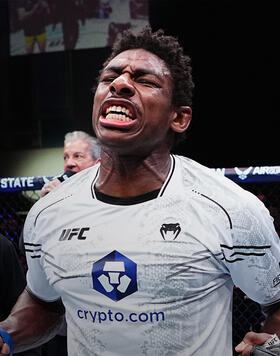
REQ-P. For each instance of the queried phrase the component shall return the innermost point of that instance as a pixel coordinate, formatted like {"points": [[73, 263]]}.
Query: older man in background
{"points": [[80, 152]]}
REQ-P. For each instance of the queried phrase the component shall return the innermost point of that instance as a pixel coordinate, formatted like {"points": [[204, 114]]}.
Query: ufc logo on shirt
{"points": [[68, 234]]}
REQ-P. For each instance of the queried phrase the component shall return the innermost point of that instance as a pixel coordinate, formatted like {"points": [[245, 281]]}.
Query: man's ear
{"points": [[181, 119]]}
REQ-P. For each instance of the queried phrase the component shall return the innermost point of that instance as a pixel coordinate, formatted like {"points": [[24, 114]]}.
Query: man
{"points": [[67, 12], [12, 276], [32, 14], [144, 248], [80, 151]]}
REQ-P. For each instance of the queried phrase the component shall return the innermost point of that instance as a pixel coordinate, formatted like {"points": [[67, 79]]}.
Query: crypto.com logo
{"points": [[115, 276]]}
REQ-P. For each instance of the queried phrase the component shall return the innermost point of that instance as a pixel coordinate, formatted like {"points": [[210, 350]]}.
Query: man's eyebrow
{"points": [[143, 71]]}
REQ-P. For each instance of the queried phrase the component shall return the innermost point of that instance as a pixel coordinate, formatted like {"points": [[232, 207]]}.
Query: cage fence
{"points": [[17, 195]]}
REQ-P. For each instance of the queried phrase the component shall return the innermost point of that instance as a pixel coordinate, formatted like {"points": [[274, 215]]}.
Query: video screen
{"points": [[38, 26]]}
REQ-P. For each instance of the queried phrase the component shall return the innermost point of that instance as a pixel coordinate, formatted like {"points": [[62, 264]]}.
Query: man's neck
{"points": [[127, 176]]}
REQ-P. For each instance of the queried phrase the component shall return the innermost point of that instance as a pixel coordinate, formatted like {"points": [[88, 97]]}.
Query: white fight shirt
{"points": [[153, 277]]}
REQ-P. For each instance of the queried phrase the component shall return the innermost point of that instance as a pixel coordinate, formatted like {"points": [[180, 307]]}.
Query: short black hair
{"points": [[168, 49]]}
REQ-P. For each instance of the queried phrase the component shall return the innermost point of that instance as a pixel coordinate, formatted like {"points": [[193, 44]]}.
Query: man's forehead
{"points": [[139, 58], [77, 145]]}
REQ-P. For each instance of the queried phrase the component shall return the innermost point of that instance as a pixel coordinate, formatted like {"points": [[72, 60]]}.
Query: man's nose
{"points": [[122, 85], [70, 163]]}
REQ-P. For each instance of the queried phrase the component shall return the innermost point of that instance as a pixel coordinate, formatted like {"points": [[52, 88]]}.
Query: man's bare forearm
{"points": [[32, 322]]}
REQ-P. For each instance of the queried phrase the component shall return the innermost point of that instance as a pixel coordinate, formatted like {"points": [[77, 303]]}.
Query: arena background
{"points": [[234, 51], [233, 45]]}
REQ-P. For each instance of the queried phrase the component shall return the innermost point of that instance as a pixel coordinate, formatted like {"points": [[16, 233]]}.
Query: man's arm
{"points": [[11, 274], [271, 326], [31, 322]]}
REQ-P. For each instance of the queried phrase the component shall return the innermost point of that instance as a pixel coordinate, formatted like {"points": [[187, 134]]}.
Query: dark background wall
{"points": [[233, 47]]}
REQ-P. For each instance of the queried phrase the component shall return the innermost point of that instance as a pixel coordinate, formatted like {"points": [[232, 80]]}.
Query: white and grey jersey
{"points": [[152, 275]]}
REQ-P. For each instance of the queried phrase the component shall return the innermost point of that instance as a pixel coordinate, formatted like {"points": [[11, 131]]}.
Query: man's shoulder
{"points": [[68, 188], [214, 185]]}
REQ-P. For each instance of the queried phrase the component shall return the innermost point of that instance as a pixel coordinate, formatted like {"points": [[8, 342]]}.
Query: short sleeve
{"points": [[253, 255], [37, 282]]}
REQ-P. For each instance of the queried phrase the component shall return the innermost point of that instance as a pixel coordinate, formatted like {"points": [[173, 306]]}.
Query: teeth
{"points": [[118, 117], [119, 109]]}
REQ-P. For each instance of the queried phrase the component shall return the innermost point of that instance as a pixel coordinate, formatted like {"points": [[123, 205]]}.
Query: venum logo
{"points": [[115, 276], [68, 234], [170, 231]]}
